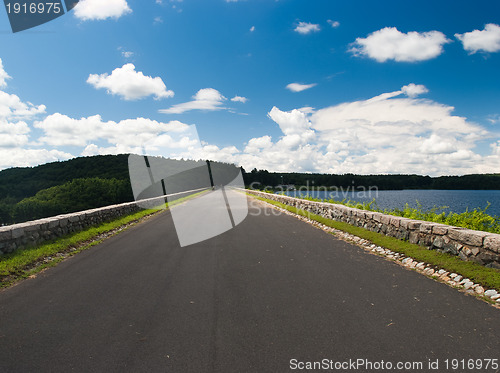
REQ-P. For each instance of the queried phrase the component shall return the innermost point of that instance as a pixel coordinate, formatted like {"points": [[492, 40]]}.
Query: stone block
{"points": [[368, 215], [413, 237], [488, 257], [18, 232], [74, 218], [5, 234], [450, 247], [385, 219], [438, 243], [426, 228], [414, 224], [395, 222], [53, 223], [491, 243], [33, 226], [405, 222], [440, 229], [467, 236]]}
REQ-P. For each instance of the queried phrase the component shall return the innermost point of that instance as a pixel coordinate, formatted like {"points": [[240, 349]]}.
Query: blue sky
{"points": [[309, 86]]}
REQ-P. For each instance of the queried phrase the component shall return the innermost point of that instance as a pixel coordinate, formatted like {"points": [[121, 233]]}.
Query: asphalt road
{"points": [[270, 290]]}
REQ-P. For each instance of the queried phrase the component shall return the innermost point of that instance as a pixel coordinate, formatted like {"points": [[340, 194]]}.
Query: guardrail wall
{"points": [[33, 233]]}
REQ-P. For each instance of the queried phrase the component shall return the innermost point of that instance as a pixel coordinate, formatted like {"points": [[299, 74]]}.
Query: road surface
{"points": [[266, 296]]}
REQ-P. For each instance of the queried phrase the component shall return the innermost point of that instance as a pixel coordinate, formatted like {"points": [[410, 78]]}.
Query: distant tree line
{"points": [[382, 182]]}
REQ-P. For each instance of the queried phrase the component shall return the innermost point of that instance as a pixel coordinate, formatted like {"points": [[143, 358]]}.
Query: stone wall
{"points": [[32, 233], [477, 246]]}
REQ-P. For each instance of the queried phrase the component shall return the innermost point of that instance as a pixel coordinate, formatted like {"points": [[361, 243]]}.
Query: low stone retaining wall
{"points": [[477, 246], [32, 233]]}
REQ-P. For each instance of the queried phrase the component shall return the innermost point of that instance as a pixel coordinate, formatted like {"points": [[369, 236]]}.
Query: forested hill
{"points": [[30, 193], [19, 183]]}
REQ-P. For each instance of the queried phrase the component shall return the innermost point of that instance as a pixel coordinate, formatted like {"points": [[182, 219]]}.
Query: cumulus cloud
{"points": [[388, 133], [413, 90], [305, 28], [130, 84], [239, 99], [20, 157], [392, 134], [208, 99], [88, 10], [3, 76], [334, 24], [13, 134], [487, 40], [12, 108], [391, 44], [62, 130], [298, 87]]}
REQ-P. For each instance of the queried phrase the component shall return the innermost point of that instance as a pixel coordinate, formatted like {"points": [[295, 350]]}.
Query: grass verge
{"points": [[488, 277], [25, 263]]}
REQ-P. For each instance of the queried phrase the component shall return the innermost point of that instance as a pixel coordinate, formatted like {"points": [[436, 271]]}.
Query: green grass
{"points": [[488, 277], [24, 263], [477, 219]]}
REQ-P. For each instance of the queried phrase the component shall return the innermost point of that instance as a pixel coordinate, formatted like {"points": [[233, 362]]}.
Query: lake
{"points": [[456, 200]]}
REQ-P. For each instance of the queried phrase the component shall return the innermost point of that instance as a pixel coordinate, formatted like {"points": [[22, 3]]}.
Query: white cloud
{"points": [[334, 24], [239, 99], [13, 134], [306, 28], [12, 108], [61, 130], [252, 29], [413, 90], [157, 20], [20, 157], [494, 118], [391, 44], [298, 87], [406, 135], [127, 54], [208, 99], [487, 40], [383, 134], [130, 84], [307, 109], [99, 10], [3, 76]]}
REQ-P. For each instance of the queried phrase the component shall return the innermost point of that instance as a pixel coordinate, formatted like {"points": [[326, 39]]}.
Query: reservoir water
{"points": [[456, 200]]}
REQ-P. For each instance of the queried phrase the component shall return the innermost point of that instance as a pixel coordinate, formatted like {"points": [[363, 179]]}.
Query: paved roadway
{"points": [[271, 290]]}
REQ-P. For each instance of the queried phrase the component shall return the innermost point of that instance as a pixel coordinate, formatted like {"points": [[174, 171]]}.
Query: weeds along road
{"points": [[271, 291]]}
